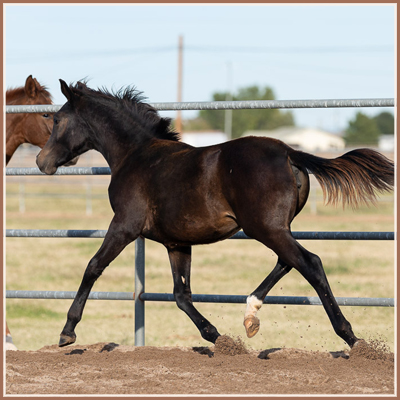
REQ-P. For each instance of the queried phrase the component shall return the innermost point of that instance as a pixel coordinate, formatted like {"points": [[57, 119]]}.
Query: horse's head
{"points": [[70, 136], [34, 128]]}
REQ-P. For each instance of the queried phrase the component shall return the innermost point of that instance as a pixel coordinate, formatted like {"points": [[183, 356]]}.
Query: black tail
{"points": [[353, 177]]}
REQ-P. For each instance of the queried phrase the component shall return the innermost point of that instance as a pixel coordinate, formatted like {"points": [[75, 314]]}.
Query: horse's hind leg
{"points": [[291, 253], [180, 258], [256, 298]]}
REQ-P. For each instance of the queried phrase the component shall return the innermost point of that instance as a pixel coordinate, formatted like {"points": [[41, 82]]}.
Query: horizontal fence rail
{"points": [[60, 171], [59, 195], [232, 105], [200, 298], [98, 234]]}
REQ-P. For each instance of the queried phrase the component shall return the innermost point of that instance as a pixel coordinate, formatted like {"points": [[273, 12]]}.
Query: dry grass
{"points": [[354, 269]]}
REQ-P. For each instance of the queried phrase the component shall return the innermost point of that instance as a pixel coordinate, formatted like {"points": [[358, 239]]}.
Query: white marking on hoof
{"points": [[253, 305], [251, 322]]}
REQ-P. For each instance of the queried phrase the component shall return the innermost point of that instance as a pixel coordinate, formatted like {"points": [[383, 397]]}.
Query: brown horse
{"points": [[34, 128], [26, 128], [180, 196]]}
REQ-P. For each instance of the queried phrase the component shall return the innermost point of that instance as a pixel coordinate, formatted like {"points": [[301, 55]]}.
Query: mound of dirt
{"points": [[226, 368], [372, 350], [229, 346]]}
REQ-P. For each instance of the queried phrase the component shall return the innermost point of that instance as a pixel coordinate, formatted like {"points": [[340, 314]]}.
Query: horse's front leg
{"points": [[180, 258], [255, 300], [114, 242]]}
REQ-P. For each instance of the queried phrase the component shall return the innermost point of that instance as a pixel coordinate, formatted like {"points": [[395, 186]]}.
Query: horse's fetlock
{"points": [[74, 316], [344, 329], [209, 333]]}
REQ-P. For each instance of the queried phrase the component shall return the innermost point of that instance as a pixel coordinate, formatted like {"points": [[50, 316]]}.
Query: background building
{"points": [[308, 139], [206, 138]]}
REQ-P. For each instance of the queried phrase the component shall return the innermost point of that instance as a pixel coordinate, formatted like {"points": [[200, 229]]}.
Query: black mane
{"points": [[129, 99]]}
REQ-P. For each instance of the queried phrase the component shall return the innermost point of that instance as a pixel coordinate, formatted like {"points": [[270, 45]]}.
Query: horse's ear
{"points": [[31, 87], [67, 92]]}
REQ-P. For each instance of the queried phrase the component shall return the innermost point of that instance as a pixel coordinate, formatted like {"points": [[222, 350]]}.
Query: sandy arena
{"points": [[226, 368]]}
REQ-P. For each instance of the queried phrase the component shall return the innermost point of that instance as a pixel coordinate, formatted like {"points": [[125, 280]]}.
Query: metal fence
{"points": [[140, 296], [234, 105]]}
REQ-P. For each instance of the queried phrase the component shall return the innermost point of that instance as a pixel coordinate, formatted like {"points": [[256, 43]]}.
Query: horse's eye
{"points": [[55, 121], [45, 115]]}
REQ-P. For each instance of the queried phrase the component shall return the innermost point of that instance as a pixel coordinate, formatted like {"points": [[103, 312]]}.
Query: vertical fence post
{"points": [[139, 288]]}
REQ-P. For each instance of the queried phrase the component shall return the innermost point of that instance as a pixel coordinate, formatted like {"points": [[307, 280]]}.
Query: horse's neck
{"points": [[112, 141], [14, 134], [112, 148], [14, 126]]}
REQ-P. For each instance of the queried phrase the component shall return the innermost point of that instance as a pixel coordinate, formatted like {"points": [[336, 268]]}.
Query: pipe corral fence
{"points": [[140, 296]]}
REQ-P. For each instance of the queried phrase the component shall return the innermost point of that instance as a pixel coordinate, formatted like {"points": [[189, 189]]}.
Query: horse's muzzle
{"points": [[44, 164]]}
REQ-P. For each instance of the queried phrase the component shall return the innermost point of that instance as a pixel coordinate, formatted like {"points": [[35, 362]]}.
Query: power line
{"points": [[207, 49], [290, 50]]}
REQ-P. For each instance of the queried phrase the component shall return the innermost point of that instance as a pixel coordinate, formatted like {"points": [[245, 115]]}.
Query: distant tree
{"points": [[196, 124], [362, 130], [244, 120], [385, 123]]}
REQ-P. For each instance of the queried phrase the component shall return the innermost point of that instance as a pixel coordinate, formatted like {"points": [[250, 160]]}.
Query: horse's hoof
{"points": [[252, 325], [66, 340]]}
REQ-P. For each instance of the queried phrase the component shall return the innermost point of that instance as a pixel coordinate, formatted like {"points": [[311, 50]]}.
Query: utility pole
{"points": [[228, 113], [180, 68]]}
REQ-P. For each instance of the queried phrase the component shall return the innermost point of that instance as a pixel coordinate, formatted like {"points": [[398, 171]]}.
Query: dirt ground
{"points": [[226, 368]]}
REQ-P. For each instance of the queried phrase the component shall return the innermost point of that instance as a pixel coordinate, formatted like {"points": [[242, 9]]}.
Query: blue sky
{"points": [[301, 52]]}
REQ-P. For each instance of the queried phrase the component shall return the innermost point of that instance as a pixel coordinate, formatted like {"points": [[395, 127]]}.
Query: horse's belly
{"points": [[189, 230]]}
